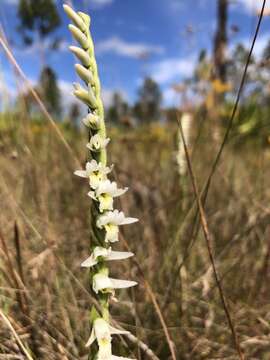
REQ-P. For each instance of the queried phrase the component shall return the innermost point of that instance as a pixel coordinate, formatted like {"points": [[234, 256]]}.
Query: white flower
{"points": [[105, 254], [110, 221], [92, 121], [102, 332], [95, 172], [97, 143], [103, 283], [104, 194]]}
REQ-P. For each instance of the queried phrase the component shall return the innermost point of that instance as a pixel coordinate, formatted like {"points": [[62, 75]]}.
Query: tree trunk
{"points": [[220, 44]]}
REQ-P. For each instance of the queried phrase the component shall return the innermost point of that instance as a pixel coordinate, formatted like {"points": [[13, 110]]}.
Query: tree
{"points": [[235, 68], [118, 109], [74, 113], [38, 16], [150, 98], [220, 42], [49, 90]]}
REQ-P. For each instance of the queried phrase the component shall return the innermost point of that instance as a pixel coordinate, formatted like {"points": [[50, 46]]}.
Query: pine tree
{"points": [[50, 91], [150, 98], [37, 16]]}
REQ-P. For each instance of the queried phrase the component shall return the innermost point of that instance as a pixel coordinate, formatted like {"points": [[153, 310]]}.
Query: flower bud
{"points": [[81, 54], [87, 96], [85, 74], [77, 19], [92, 121], [79, 36]]}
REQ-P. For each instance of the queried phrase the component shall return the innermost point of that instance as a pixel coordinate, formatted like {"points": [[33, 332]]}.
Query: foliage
{"points": [[38, 16], [50, 91], [38, 192], [118, 109], [150, 97]]}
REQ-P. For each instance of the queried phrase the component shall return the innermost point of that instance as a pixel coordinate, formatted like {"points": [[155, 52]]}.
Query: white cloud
{"points": [[101, 2], [36, 48], [259, 47], [176, 5], [171, 69], [120, 47], [254, 6], [11, 2], [170, 97], [107, 96]]}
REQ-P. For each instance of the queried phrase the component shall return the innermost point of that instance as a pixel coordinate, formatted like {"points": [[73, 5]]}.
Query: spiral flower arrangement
{"points": [[105, 220]]}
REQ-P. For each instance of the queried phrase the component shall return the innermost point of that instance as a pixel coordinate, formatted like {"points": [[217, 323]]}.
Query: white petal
{"points": [[81, 173], [115, 331], [97, 143], [122, 284], [89, 262], [92, 121], [112, 232], [101, 282], [105, 203], [106, 142], [119, 255], [101, 251], [128, 220], [102, 330], [91, 166], [120, 192], [91, 339], [104, 187], [92, 195]]}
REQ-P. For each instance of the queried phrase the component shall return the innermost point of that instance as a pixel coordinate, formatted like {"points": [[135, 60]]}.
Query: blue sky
{"points": [[124, 31]]}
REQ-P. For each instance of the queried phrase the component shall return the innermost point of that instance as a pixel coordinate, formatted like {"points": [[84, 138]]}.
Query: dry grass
{"points": [[44, 293]]}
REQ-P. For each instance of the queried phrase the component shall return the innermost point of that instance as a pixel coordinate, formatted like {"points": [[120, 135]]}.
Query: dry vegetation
{"points": [[44, 222]]}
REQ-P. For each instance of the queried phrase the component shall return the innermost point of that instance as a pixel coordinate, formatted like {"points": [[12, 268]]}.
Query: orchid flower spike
{"points": [[105, 284], [110, 222], [104, 194], [105, 221], [105, 254], [95, 172]]}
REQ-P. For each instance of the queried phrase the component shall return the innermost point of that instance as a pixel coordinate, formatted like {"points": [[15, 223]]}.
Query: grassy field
{"points": [[44, 229]]}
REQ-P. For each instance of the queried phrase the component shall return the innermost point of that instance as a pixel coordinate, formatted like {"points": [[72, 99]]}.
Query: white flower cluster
{"points": [[102, 190]]}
